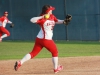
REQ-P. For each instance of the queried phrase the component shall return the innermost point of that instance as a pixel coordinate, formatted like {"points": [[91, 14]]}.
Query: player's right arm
{"points": [[35, 19]]}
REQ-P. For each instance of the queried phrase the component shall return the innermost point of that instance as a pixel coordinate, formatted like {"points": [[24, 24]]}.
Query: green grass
{"points": [[17, 49]]}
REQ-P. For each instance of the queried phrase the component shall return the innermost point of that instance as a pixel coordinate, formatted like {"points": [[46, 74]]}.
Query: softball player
{"points": [[44, 38], [3, 21]]}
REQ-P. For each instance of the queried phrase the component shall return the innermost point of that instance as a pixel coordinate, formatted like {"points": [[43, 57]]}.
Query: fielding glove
{"points": [[11, 25], [67, 19]]}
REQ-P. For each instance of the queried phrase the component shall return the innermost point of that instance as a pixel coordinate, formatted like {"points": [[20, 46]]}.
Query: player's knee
{"points": [[8, 34], [31, 55], [55, 54]]}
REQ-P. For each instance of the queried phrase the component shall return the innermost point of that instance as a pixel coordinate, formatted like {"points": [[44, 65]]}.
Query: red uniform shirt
{"points": [[3, 21], [47, 26]]}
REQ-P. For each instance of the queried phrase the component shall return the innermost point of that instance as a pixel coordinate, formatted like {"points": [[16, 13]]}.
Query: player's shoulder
{"points": [[52, 15], [3, 18]]}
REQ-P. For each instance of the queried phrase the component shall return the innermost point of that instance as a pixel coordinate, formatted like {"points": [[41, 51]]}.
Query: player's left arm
{"points": [[57, 21], [66, 21], [60, 21], [11, 24]]}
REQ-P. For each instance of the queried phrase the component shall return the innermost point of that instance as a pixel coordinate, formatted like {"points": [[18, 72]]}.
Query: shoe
{"points": [[0, 39], [17, 65], [58, 69]]}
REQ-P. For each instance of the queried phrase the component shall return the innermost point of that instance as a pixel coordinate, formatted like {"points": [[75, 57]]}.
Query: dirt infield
{"points": [[44, 66]]}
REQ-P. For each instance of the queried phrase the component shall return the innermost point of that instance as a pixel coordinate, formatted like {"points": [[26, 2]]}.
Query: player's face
{"points": [[6, 15], [50, 12]]}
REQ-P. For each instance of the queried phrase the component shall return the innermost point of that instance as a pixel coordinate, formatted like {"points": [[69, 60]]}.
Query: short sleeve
{"points": [[40, 21], [2, 19], [55, 19]]}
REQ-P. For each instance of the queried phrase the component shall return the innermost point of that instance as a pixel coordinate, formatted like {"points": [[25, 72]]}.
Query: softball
{"points": [[46, 16]]}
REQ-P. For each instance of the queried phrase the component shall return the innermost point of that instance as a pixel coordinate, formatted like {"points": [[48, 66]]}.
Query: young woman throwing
{"points": [[47, 22]]}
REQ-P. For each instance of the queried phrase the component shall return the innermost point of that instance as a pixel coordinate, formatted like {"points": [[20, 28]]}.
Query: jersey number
{"points": [[52, 27]]}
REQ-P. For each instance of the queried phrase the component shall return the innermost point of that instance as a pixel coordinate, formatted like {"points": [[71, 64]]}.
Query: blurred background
{"points": [[85, 24]]}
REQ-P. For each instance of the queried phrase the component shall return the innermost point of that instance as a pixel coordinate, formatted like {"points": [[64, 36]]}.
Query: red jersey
{"points": [[47, 26], [3, 21]]}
